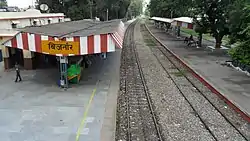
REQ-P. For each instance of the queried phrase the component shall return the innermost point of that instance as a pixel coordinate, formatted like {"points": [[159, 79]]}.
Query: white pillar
{"points": [[27, 54], [5, 52], [27, 59]]}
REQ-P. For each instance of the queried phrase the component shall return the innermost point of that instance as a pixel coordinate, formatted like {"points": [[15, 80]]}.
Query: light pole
{"points": [[116, 8], [107, 18], [90, 9]]}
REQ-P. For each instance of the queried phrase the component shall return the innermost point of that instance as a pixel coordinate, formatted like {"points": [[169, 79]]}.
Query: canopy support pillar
{"points": [[63, 72], [28, 59], [6, 57]]}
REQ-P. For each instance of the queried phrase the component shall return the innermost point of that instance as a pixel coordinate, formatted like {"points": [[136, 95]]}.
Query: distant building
{"points": [[13, 9], [11, 21]]}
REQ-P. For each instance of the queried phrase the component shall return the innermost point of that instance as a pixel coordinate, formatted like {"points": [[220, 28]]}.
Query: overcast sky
{"points": [[20, 3]]}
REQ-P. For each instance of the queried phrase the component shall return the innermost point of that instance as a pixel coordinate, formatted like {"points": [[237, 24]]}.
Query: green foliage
{"points": [[241, 53], [146, 12], [240, 31], [214, 17], [239, 21], [135, 7], [213, 14], [80, 9], [168, 8], [3, 3]]}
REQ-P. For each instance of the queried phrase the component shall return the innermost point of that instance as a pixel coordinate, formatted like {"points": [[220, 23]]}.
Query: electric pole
{"points": [[90, 9], [107, 14]]}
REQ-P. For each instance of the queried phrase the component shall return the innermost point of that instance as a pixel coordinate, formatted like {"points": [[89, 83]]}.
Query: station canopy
{"points": [[160, 19], [70, 38]]}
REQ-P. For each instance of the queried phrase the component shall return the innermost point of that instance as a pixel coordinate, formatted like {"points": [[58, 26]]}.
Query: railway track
{"points": [[177, 73], [136, 119]]}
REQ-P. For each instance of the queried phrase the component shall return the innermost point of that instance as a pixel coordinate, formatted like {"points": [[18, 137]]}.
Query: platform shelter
{"points": [[76, 38]]}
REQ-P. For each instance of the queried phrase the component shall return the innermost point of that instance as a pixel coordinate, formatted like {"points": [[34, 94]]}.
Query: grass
{"points": [[149, 42], [179, 73], [205, 36]]}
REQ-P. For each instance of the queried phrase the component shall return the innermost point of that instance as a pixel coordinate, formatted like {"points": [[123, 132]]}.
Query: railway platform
{"points": [[231, 84], [161, 99], [35, 109]]}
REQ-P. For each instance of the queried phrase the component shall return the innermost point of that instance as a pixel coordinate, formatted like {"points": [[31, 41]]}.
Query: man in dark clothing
{"points": [[18, 73], [191, 40]]}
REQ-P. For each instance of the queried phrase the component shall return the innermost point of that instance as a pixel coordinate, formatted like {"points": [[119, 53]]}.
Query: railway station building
{"points": [[66, 42], [11, 22]]}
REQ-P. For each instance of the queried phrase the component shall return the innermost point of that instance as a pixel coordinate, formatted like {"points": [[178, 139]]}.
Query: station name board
{"points": [[60, 47]]}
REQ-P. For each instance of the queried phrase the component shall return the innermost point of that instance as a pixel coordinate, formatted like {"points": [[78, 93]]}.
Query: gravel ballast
{"points": [[210, 111], [185, 109], [176, 117], [134, 118]]}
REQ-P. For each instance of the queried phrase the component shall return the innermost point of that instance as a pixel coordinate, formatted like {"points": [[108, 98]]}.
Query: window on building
{"points": [[14, 25], [35, 23], [60, 19], [49, 20]]}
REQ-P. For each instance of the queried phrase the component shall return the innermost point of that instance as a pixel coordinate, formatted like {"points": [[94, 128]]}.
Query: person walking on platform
{"points": [[18, 76]]}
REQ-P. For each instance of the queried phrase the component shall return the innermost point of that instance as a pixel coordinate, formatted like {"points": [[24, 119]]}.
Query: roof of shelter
{"points": [[167, 20], [8, 32], [162, 19], [184, 19], [74, 28]]}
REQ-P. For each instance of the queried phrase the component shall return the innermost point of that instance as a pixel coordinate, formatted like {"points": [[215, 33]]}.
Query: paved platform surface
{"points": [[233, 84], [37, 110]]}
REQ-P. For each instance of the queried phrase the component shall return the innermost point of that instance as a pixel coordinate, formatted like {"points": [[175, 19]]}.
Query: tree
{"points": [[240, 32], [55, 6], [169, 8], [146, 12], [215, 16], [201, 28], [135, 8], [3, 3], [80, 9], [239, 21]]}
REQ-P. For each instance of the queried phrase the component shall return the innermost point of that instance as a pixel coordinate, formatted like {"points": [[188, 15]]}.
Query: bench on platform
{"points": [[191, 42], [212, 48]]}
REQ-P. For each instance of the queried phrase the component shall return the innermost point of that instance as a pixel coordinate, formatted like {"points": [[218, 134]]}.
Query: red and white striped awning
{"points": [[85, 45], [119, 35]]}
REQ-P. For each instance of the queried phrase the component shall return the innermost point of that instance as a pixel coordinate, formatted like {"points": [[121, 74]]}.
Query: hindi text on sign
{"points": [[60, 47]]}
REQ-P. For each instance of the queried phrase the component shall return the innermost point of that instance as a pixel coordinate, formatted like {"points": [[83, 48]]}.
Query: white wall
{"points": [[23, 23], [185, 25], [174, 23], [6, 24]]}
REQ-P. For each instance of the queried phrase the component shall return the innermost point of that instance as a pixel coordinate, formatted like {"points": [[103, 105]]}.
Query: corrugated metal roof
{"points": [[75, 28], [181, 19], [167, 20], [184, 19], [8, 32]]}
